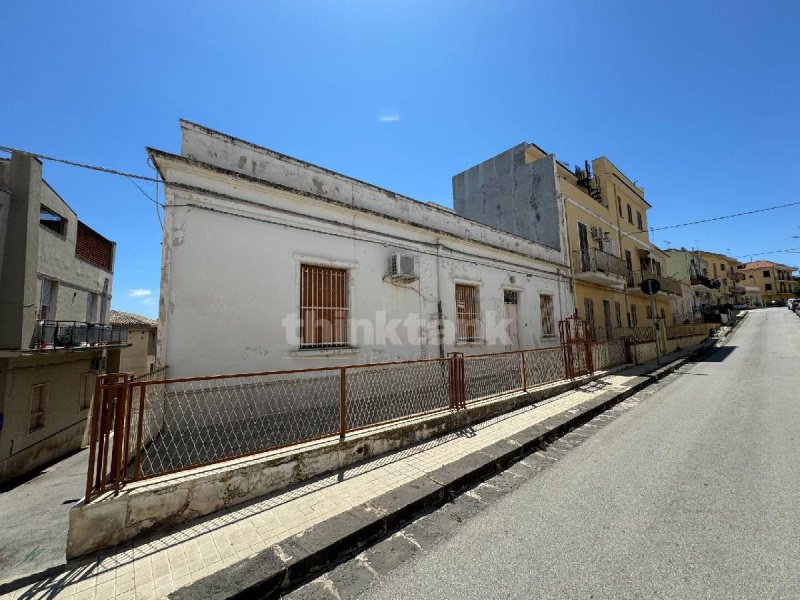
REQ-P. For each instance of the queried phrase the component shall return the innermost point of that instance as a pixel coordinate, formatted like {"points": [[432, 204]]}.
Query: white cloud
{"points": [[140, 293], [388, 115]]}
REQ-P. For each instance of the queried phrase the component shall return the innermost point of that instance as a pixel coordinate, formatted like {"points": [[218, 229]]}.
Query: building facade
{"points": [[140, 356], [55, 289], [272, 263], [774, 280], [606, 224]]}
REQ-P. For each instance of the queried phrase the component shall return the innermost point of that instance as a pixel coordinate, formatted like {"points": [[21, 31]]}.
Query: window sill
{"points": [[316, 352], [467, 344]]}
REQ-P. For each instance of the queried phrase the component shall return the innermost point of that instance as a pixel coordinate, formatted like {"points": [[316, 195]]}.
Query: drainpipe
{"points": [[440, 316]]}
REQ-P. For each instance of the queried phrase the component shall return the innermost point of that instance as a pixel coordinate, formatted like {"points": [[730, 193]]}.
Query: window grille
{"points": [[468, 310], [546, 309], [324, 307]]}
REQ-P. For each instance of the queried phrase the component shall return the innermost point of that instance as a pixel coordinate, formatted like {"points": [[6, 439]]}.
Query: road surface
{"points": [[693, 493]]}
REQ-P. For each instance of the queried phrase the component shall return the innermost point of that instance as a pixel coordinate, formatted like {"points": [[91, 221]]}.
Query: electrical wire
{"points": [[111, 171], [77, 164]]}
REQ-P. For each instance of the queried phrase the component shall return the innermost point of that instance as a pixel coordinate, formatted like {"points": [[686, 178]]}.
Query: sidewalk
{"points": [[286, 536]]}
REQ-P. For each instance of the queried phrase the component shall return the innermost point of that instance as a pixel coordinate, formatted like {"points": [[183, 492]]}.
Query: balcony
{"points": [[76, 335], [595, 266], [736, 290], [703, 281], [668, 284]]}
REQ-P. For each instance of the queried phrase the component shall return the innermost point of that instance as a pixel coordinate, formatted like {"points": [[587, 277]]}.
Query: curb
{"points": [[285, 566]]}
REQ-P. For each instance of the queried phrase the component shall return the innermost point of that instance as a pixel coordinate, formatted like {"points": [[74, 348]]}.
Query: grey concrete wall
{"points": [[76, 278], [5, 205], [509, 194], [18, 284]]}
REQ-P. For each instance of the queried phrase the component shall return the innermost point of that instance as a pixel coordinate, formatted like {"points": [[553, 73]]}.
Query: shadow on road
{"points": [[717, 355]]}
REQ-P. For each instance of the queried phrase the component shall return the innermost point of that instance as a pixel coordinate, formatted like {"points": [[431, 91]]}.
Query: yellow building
{"points": [[774, 280], [611, 253], [725, 270]]}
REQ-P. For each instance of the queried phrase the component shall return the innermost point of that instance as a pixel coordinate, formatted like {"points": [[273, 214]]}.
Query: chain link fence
{"points": [[167, 425]]}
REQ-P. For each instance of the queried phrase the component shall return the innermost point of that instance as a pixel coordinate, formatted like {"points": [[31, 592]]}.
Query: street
{"points": [[691, 494]]}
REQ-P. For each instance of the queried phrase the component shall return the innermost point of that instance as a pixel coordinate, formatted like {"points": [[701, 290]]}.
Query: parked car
{"points": [[776, 303], [792, 304]]}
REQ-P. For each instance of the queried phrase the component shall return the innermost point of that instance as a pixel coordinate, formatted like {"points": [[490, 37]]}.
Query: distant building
{"points": [[605, 218], [55, 289], [140, 356], [774, 280], [272, 263]]}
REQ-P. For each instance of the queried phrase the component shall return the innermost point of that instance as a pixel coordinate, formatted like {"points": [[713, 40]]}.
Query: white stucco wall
{"points": [[232, 254]]}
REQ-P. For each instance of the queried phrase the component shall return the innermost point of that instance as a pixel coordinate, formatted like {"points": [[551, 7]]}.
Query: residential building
{"points": [[270, 262], [774, 280], [606, 222], [724, 269], [55, 288], [140, 356], [702, 271]]}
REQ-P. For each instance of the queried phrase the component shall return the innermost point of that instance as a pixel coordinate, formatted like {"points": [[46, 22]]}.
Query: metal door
{"points": [[577, 347]]}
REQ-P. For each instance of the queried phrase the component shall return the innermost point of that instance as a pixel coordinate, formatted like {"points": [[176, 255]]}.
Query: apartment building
{"points": [[55, 288], [725, 270], [605, 220], [774, 280], [272, 263]]}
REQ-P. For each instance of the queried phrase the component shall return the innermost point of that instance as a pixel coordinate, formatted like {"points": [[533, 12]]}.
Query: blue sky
{"points": [[697, 101]]}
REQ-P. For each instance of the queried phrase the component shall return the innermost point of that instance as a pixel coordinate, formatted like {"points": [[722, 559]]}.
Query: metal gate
{"points": [[577, 346]]}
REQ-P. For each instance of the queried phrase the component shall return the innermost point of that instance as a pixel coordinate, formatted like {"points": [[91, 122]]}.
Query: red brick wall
{"points": [[94, 248]]}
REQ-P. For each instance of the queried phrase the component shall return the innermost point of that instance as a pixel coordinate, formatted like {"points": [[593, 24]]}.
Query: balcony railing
{"points": [[712, 284], [594, 260], [668, 284], [49, 335]]}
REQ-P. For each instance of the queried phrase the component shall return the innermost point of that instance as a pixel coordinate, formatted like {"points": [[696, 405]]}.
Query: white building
{"points": [[272, 263]]}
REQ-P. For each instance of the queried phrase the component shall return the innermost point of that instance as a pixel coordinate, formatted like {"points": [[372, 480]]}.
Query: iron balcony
{"points": [[53, 335], [596, 266]]}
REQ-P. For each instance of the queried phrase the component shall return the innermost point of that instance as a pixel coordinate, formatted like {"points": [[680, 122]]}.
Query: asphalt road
{"points": [[694, 493], [34, 515]]}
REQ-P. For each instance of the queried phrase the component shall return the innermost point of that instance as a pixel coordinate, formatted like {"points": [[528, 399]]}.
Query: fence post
{"points": [[342, 402], [94, 434], [455, 363], [522, 366], [117, 454]]}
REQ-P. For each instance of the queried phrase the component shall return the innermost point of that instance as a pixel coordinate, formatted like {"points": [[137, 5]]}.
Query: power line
{"points": [[82, 165], [111, 171], [741, 214]]}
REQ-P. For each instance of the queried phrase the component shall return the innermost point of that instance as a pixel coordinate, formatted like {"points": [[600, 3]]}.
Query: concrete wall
{"points": [[5, 205], [76, 278], [154, 504], [647, 351], [223, 304], [65, 421], [510, 194]]}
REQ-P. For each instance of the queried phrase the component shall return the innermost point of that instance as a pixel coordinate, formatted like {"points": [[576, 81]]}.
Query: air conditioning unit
{"points": [[403, 267], [98, 363], [597, 233]]}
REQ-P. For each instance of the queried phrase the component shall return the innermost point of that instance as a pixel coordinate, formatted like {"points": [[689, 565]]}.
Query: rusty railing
{"points": [[151, 426]]}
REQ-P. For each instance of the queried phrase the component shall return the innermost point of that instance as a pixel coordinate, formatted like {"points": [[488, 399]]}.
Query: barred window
{"points": [[324, 307], [468, 311], [39, 394], [546, 309]]}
